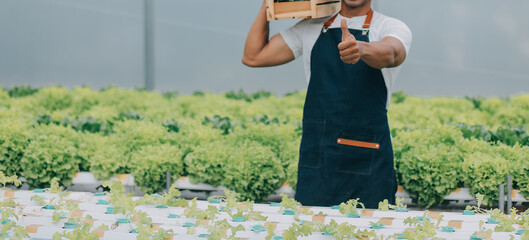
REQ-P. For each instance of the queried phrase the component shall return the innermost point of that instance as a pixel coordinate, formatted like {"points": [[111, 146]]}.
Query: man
{"points": [[351, 60]]}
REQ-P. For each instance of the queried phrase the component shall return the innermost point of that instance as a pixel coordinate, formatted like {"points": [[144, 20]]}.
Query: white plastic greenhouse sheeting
{"points": [[38, 221]]}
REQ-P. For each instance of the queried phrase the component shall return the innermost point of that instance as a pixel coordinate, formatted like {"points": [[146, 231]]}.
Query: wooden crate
{"points": [[301, 9]]}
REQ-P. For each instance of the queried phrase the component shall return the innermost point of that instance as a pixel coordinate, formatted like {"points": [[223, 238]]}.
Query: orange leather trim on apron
{"points": [[369, 17], [330, 21], [358, 143], [367, 23]]}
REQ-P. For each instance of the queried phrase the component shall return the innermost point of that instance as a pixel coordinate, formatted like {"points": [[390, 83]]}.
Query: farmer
{"points": [[351, 61]]}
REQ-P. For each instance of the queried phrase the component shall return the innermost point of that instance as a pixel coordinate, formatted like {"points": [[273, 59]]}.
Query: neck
{"points": [[349, 12]]}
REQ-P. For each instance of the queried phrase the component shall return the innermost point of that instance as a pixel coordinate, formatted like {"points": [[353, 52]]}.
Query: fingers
{"points": [[347, 44], [345, 31], [350, 60], [349, 52], [346, 35], [349, 49]]}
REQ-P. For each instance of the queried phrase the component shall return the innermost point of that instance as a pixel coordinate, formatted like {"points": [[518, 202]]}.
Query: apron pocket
{"points": [[310, 153], [357, 153]]}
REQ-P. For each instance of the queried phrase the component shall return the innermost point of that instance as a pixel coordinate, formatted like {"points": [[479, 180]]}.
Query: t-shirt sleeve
{"points": [[293, 36], [395, 28]]}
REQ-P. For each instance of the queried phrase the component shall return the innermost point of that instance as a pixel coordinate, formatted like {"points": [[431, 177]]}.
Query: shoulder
{"points": [[384, 26], [304, 28], [311, 23], [299, 36], [383, 23]]}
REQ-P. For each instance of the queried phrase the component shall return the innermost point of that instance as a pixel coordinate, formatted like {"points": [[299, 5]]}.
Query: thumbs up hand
{"points": [[349, 48]]}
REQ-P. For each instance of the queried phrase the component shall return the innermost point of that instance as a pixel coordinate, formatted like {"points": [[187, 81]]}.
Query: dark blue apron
{"points": [[345, 148]]}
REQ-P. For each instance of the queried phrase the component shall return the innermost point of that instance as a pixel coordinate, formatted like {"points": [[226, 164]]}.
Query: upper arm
{"points": [[281, 48], [398, 49], [276, 52], [398, 36]]}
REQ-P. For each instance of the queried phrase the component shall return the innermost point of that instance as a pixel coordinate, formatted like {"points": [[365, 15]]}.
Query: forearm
{"points": [[377, 54], [257, 37]]}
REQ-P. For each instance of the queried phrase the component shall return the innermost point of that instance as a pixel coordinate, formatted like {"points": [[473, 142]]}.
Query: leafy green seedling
{"points": [[194, 212], [477, 209], [57, 216], [383, 205], [82, 232], [350, 208], [386, 206], [341, 231], [298, 230], [56, 188], [482, 230], [103, 227], [305, 211], [231, 199], [376, 225], [8, 203], [4, 180], [38, 199], [123, 202], [505, 222], [11, 226], [213, 199], [288, 203], [7, 214], [191, 230], [270, 228], [424, 228], [399, 205]]}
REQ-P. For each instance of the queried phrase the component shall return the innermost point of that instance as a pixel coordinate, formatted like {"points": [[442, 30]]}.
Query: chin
{"points": [[355, 3]]}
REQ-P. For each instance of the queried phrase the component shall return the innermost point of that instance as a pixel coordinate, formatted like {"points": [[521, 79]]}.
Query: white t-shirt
{"points": [[302, 37]]}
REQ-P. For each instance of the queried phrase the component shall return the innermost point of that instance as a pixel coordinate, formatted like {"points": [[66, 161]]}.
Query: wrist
{"points": [[361, 47]]}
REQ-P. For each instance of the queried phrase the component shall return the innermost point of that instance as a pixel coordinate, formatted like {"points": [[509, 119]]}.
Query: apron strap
{"points": [[366, 25], [369, 17], [330, 21]]}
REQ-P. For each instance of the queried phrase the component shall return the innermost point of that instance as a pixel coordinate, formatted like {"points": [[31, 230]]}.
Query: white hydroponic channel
{"points": [[38, 220]]}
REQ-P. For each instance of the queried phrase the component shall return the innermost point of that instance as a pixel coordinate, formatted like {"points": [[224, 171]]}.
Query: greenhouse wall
{"points": [[460, 48]]}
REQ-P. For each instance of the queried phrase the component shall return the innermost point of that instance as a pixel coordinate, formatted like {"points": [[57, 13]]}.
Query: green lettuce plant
{"points": [[50, 154], [253, 171], [150, 164], [483, 172], [51, 99], [83, 98], [109, 159], [207, 162], [21, 91], [13, 141], [429, 163]]}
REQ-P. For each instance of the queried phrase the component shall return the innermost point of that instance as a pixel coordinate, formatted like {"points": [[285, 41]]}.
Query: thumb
{"points": [[345, 31]]}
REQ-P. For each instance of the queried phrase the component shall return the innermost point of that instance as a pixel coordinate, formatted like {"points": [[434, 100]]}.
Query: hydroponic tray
{"points": [[93, 208]]}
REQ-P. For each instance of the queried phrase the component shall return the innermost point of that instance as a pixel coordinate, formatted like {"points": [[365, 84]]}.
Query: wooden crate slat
{"points": [[327, 10], [324, 1], [286, 7], [290, 15], [313, 8], [301, 9], [270, 10]]}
